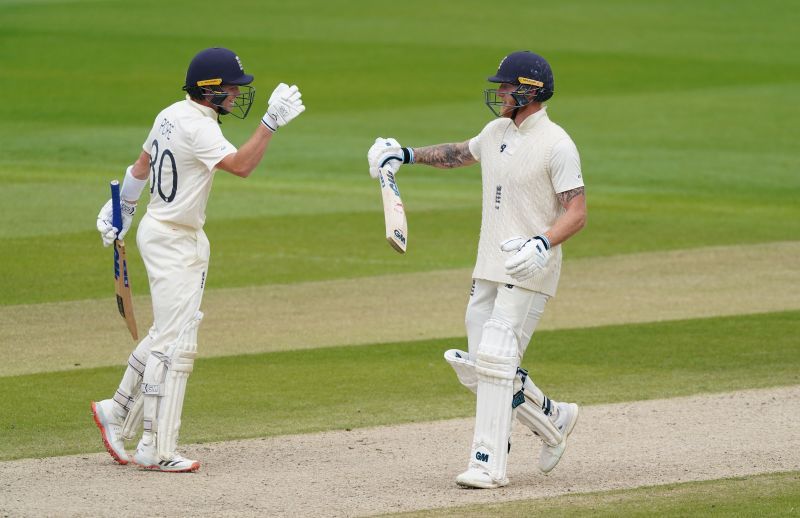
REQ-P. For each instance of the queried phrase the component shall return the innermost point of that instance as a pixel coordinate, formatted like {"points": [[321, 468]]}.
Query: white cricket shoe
{"points": [[480, 479], [550, 455], [147, 457], [110, 429]]}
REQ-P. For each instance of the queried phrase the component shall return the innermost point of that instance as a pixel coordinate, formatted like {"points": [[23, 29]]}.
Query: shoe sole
{"points": [[155, 467], [106, 443], [474, 485]]}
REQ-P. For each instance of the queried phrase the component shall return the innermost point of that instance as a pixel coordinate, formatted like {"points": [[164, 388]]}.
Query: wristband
{"points": [[264, 122], [131, 186], [544, 240], [408, 155]]}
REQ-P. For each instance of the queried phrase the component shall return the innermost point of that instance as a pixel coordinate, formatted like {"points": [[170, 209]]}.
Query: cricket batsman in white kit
{"points": [[180, 156], [533, 200]]}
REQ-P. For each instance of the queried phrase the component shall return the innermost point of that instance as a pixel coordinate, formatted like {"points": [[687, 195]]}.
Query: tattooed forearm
{"points": [[444, 155], [566, 196]]}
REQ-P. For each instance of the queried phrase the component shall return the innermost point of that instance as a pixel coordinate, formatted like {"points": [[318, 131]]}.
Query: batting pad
{"points": [[496, 367], [130, 428], [533, 408], [464, 367], [164, 388]]}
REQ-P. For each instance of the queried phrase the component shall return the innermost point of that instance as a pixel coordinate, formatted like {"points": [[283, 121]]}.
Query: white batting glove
{"points": [[285, 104], [385, 152], [530, 257], [108, 232]]}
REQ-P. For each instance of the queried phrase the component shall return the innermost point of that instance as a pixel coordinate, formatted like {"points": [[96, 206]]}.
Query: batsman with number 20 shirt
{"points": [[533, 200], [183, 150]]}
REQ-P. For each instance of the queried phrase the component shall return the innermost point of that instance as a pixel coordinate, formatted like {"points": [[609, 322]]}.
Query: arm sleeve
{"points": [[475, 144], [148, 143], [565, 166], [211, 146]]}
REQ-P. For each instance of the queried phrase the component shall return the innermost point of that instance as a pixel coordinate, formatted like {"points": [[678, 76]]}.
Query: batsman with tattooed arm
{"points": [[533, 201]]}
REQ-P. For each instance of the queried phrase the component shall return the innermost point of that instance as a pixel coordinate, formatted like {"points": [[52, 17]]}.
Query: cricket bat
{"points": [[121, 282], [393, 212]]}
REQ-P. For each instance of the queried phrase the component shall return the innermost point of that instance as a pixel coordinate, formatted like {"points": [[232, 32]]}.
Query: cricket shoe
{"points": [[479, 479], [550, 455], [110, 429], [147, 457]]}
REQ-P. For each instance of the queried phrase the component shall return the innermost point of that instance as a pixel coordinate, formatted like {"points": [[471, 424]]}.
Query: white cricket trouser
{"points": [[519, 308], [176, 259]]}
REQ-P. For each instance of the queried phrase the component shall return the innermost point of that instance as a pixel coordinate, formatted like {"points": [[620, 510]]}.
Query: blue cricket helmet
{"points": [[212, 68], [526, 68], [216, 66]]}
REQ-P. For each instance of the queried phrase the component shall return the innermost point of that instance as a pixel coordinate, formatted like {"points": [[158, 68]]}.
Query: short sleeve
{"points": [[475, 146], [565, 166], [211, 146], [148, 143]]}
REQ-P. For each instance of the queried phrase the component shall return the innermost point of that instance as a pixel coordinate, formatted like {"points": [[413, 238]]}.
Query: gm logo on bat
{"points": [[399, 235]]}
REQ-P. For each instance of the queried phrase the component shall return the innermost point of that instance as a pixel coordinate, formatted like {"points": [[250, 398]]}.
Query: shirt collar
{"points": [[531, 121], [205, 110]]}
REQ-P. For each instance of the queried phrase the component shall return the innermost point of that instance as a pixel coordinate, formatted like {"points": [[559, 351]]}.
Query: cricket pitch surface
{"points": [[412, 467]]}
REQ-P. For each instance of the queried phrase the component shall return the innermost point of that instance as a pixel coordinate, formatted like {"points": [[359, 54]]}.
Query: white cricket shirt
{"points": [[185, 146], [522, 170]]}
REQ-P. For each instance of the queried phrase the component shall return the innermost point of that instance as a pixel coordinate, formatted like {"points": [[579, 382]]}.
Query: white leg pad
{"points": [[130, 428], [530, 412], [464, 367], [164, 388], [496, 368]]}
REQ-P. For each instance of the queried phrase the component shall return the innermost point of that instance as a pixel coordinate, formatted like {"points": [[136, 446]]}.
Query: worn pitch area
{"points": [[409, 467]]}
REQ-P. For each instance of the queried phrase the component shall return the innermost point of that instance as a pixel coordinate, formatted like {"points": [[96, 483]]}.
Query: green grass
{"points": [[775, 494], [684, 112], [350, 387], [282, 249], [684, 124]]}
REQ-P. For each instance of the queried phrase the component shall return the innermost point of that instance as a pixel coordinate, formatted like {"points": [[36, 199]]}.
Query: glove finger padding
{"points": [[292, 94], [384, 153], [513, 244], [278, 92], [514, 269], [517, 260], [392, 166], [104, 218]]}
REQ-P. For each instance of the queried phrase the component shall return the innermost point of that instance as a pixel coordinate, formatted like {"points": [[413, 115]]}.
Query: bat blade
{"points": [[122, 285], [393, 211], [123, 288]]}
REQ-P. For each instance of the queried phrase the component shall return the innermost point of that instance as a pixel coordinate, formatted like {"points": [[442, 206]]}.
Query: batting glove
{"points": [[530, 257], [285, 104], [384, 152], [108, 232]]}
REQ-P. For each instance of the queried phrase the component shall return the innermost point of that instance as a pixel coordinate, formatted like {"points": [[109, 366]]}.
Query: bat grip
{"points": [[116, 208]]}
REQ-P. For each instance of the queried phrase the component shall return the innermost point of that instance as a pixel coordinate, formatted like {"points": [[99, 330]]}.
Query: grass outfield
{"points": [[684, 112], [675, 155], [775, 494], [350, 387]]}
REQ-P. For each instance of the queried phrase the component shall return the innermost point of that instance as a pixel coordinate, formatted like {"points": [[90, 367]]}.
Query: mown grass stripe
{"points": [[774, 494], [355, 386], [412, 306]]}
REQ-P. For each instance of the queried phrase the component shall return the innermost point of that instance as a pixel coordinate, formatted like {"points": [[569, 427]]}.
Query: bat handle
{"points": [[116, 208]]}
